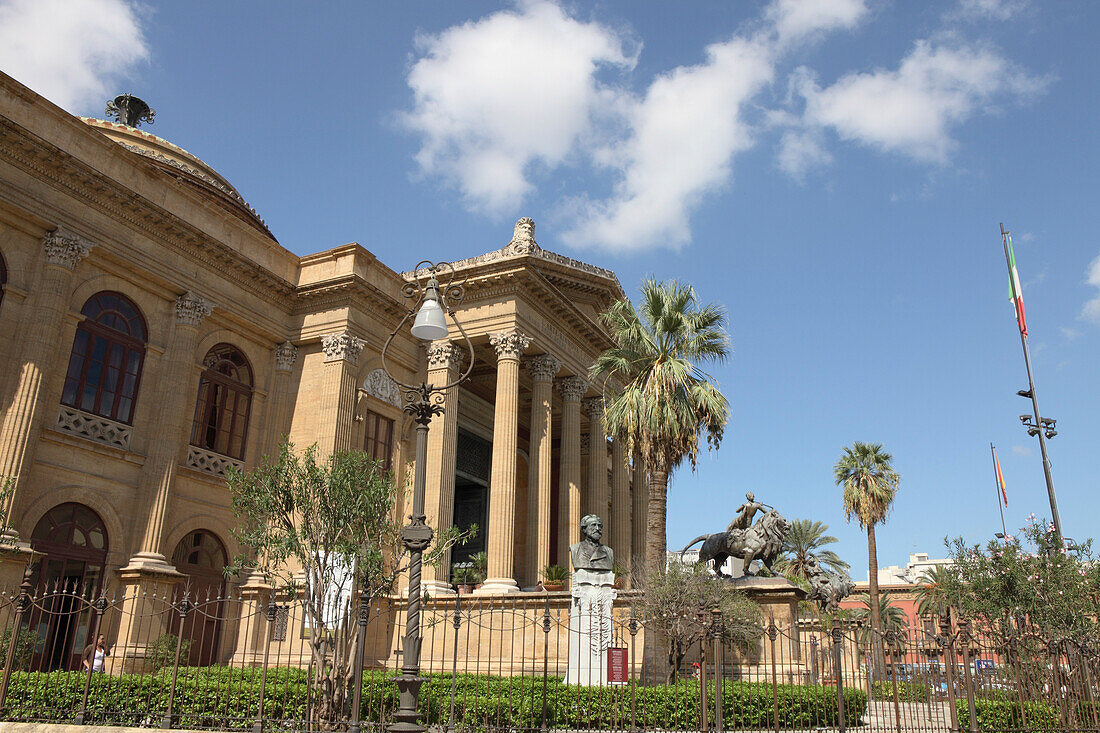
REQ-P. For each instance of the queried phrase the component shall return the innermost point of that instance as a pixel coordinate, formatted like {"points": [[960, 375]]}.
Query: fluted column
{"points": [[38, 358], [339, 383], [445, 363], [502, 481], [620, 518], [569, 472], [640, 490], [174, 401], [597, 460], [542, 369], [280, 401]]}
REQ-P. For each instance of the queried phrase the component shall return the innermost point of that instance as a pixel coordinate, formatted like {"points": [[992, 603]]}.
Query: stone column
{"points": [[587, 505], [445, 363], [339, 385], [597, 459], [569, 474], [620, 518], [509, 346], [280, 401], [542, 369], [641, 509], [38, 359], [174, 400]]}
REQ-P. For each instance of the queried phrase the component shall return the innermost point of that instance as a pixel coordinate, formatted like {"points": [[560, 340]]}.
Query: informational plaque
{"points": [[616, 665]]}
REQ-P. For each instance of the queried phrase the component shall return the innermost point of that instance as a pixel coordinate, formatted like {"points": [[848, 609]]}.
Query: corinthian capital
{"points": [[509, 344], [572, 388], [593, 407], [343, 346], [286, 354], [446, 355], [191, 309], [542, 367], [65, 248]]}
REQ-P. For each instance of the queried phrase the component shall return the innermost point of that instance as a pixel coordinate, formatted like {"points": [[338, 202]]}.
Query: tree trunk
{"points": [[878, 658], [656, 515]]}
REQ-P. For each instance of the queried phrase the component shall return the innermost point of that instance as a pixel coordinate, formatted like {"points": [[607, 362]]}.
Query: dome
{"points": [[183, 166]]}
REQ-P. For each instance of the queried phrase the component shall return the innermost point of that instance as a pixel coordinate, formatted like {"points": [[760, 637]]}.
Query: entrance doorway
{"points": [[202, 558], [73, 541], [473, 461]]}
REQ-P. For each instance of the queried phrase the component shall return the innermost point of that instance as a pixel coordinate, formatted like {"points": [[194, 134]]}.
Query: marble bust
{"points": [[589, 554]]}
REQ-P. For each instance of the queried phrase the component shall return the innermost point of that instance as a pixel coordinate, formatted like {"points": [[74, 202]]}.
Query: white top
{"points": [[97, 660]]}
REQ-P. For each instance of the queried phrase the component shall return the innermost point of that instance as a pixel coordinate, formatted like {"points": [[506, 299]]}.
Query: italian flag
{"points": [[1000, 477], [1016, 293]]}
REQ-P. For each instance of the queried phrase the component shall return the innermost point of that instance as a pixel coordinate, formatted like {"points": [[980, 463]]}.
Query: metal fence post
{"points": [[271, 612], [890, 640], [355, 725], [703, 672], [633, 627], [21, 607], [546, 625], [100, 606], [947, 642], [184, 609], [773, 632], [837, 637], [968, 678], [716, 630]]}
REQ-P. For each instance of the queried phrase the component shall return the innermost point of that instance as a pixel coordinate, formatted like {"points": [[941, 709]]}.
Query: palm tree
{"points": [[803, 545], [893, 619], [932, 593], [870, 484], [667, 401]]}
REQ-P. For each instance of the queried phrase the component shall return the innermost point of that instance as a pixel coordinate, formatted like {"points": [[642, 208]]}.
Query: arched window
{"points": [[202, 558], [224, 402], [73, 542], [108, 351]]}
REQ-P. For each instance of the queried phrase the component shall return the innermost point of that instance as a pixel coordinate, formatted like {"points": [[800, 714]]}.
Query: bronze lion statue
{"points": [[762, 541]]}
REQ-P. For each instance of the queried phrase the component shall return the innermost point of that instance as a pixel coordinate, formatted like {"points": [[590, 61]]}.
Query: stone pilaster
{"points": [[542, 369], [280, 401], [620, 518], [640, 489], [39, 357], [445, 363], [502, 489], [569, 473], [596, 489], [338, 391], [174, 399]]}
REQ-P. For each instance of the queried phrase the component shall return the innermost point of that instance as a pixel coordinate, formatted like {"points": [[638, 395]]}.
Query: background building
{"points": [[156, 333]]}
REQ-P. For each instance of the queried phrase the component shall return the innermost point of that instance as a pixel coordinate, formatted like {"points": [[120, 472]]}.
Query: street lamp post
{"points": [[432, 304]]}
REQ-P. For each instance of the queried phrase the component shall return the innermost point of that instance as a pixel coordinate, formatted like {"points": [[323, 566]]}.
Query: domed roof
{"points": [[183, 166]]}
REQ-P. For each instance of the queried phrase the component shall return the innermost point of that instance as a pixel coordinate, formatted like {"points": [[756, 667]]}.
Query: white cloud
{"points": [[1091, 311], [797, 19], [494, 96], [800, 151], [913, 110], [988, 9], [683, 134], [73, 52], [1021, 450]]}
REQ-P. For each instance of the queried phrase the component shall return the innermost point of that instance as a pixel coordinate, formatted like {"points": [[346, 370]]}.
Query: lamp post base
{"points": [[407, 715]]}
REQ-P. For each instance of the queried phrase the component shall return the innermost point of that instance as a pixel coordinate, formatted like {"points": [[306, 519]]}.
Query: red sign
{"points": [[616, 665]]}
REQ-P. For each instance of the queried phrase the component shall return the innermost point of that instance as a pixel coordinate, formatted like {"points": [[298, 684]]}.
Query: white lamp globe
{"points": [[430, 323]]}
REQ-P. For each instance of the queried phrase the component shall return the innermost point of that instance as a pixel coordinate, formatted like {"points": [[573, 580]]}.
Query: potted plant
{"points": [[554, 577], [463, 574], [480, 563]]}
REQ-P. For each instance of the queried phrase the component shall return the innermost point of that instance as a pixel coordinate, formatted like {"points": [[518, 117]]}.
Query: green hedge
{"points": [[1005, 714], [219, 697]]}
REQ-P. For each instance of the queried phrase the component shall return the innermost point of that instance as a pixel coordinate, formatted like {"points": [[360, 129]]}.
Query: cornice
{"points": [[74, 177], [342, 290]]}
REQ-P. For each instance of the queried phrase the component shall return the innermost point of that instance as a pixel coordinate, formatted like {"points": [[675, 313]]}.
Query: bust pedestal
{"points": [[590, 628]]}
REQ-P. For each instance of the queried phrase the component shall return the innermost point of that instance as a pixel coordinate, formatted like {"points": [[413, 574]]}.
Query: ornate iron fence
{"points": [[253, 661]]}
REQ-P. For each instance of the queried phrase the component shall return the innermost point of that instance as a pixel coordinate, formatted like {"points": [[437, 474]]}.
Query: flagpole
{"points": [[1035, 409], [998, 490]]}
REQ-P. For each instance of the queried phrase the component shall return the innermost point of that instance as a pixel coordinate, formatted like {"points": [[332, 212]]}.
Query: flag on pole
{"points": [[1000, 477], [1016, 293]]}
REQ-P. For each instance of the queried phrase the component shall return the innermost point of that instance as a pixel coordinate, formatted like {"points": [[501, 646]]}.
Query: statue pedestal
{"points": [[590, 628]]}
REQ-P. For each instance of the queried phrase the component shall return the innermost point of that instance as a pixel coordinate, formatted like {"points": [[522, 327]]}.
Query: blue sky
{"points": [[832, 172]]}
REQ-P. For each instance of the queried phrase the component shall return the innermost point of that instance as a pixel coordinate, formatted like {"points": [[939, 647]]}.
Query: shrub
{"points": [[1005, 715], [162, 652], [228, 698], [25, 642], [907, 691]]}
